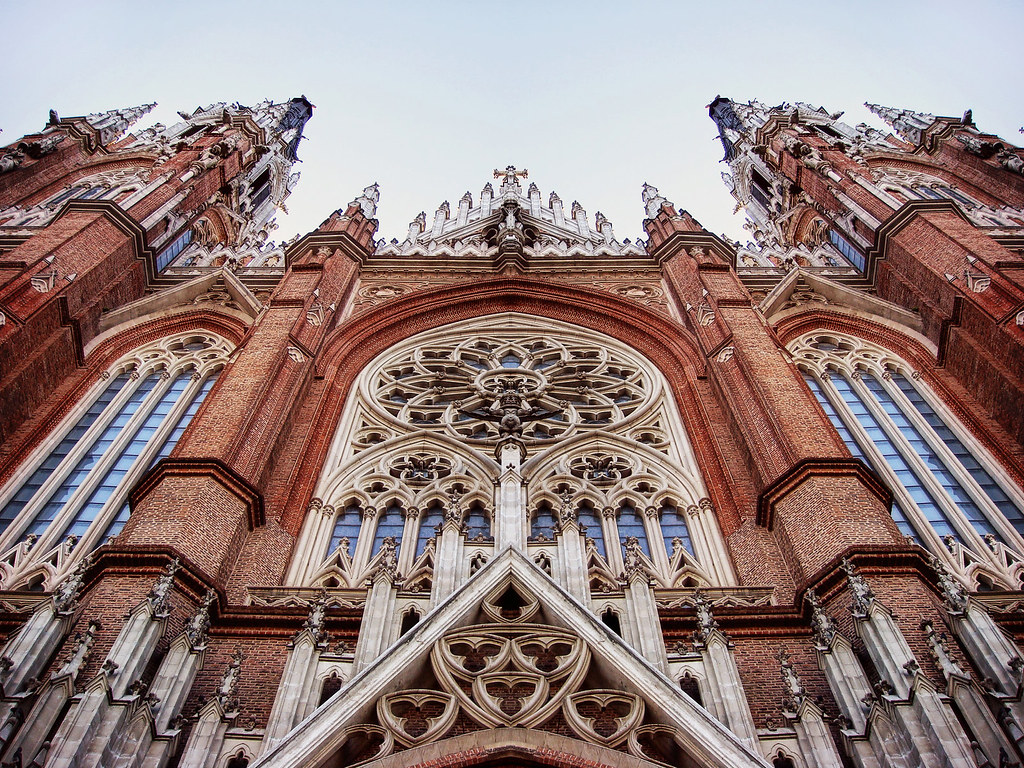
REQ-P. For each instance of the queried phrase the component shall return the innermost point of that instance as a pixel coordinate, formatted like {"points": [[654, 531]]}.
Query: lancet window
{"points": [[950, 496], [72, 494]]}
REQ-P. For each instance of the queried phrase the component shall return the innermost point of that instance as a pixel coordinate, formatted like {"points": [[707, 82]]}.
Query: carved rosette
{"points": [[516, 675], [417, 716], [604, 716]]}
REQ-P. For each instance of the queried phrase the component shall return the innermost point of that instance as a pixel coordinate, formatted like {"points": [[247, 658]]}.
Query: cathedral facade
{"points": [[512, 491]]}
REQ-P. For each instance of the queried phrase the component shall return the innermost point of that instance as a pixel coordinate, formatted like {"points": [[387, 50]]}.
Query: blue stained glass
{"points": [[429, 521], [908, 478], [850, 253], [32, 485], [632, 524], [346, 526], [510, 361], [126, 460], [902, 522], [478, 523], [390, 523], [543, 523], [63, 492], [168, 445], [168, 254], [673, 526], [985, 481], [588, 519], [932, 460]]}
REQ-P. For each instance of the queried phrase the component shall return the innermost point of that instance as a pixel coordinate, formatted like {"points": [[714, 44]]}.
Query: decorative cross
{"points": [[510, 174]]}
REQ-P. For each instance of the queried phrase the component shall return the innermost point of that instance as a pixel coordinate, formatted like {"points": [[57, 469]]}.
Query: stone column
{"points": [[807, 719], [641, 609], [728, 700], [449, 563], [572, 554], [207, 738], [380, 608], [510, 528], [295, 689]]}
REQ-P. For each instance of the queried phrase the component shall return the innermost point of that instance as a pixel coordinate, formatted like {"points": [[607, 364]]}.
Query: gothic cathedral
{"points": [[512, 491]]}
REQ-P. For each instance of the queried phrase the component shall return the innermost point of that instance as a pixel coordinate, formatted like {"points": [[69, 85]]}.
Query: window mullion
{"points": [[112, 505], [920, 469], [612, 544], [919, 520], [28, 513], [105, 462], [952, 464], [57, 436]]}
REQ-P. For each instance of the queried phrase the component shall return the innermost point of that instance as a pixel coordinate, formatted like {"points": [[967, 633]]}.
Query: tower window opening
{"points": [[611, 620], [850, 253]]}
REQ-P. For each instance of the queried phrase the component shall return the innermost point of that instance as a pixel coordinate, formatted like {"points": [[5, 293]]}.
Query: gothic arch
{"points": [[920, 356], [350, 348], [99, 357]]}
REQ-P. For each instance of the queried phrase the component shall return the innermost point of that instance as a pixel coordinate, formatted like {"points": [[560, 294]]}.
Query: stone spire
{"points": [[907, 123], [367, 201], [653, 201], [114, 123]]}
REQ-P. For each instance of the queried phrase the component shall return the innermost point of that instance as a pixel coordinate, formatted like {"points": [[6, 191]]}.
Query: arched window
{"points": [[543, 524], [941, 486], [77, 486], [478, 523], [431, 519], [390, 523], [631, 523], [346, 526], [589, 520], [673, 526]]}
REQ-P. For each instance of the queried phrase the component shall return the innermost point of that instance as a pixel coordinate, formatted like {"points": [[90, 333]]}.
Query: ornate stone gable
{"points": [[510, 651]]}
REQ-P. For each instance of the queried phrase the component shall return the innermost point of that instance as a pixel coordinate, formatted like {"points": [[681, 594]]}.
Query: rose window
{"points": [[528, 384]]}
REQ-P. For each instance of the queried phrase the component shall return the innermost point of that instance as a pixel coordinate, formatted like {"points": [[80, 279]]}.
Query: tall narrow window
{"points": [[432, 517], [631, 523], [542, 526], [939, 481], [478, 524], [390, 523], [589, 520], [168, 254], [78, 487], [673, 527], [850, 253], [346, 527]]}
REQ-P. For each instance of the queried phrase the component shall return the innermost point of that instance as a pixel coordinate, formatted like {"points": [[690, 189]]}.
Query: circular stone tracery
{"points": [[531, 382]]}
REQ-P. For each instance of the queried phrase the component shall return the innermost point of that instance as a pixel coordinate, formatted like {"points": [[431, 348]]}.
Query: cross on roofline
{"points": [[510, 173]]}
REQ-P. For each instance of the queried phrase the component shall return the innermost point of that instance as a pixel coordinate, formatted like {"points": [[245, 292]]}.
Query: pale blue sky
{"points": [[593, 98]]}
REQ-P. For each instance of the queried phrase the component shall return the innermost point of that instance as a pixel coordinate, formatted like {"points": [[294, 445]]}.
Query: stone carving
{"points": [[417, 716], [823, 624], [314, 623], [863, 597], [226, 693], [83, 645], [706, 623], [160, 593], [197, 626], [65, 596], [953, 593], [603, 716], [795, 692], [505, 676], [510, 406]]}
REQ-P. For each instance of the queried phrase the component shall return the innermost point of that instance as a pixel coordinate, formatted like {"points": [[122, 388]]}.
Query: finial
{"points": [[863, 597]]}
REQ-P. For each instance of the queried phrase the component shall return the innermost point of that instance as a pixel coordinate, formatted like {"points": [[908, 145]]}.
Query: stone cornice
{"points": [[211, 468], [824, 467]]}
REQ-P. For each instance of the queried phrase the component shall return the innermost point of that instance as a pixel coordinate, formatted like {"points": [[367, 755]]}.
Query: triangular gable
{"points": [[704, 740], [838, 297]]}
